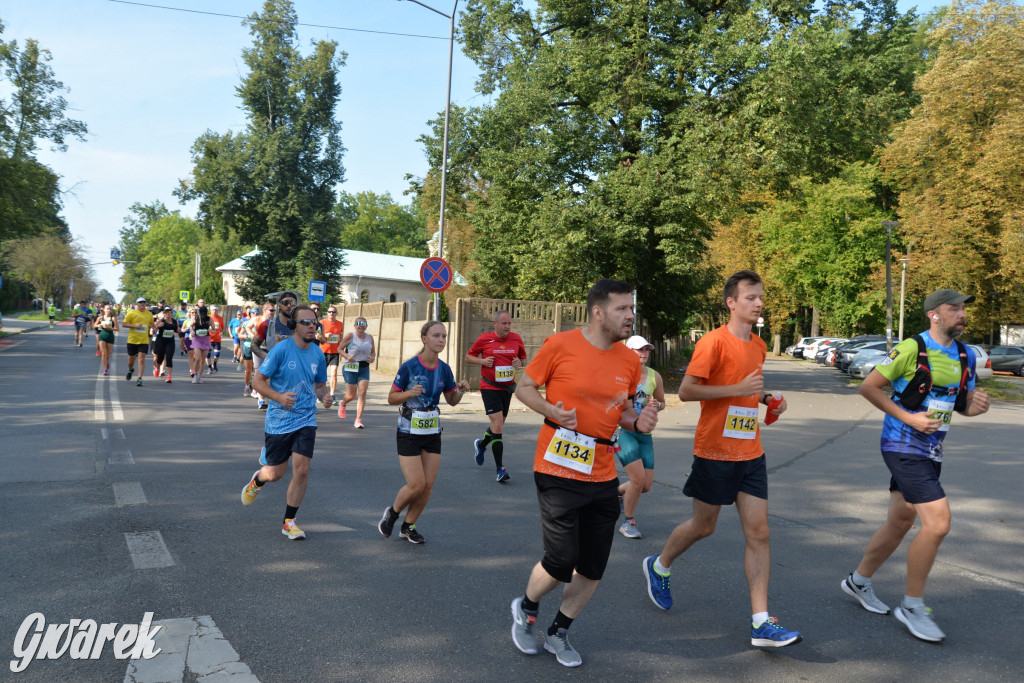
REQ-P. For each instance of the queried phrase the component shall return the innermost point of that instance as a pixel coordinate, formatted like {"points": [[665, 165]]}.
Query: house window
{"points": [[364, 296], [393, 298]]}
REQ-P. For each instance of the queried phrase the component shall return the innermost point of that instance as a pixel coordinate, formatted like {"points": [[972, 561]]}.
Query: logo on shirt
{"points": [[891, 357], [312, 366], [291, 365]]}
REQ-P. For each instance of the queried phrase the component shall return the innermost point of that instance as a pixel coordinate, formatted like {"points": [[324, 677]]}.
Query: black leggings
{"points": [[164, 350]]}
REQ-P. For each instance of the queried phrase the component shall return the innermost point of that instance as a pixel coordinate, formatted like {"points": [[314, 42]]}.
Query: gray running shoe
{"points": [[865, 595], [920, 623], [522, 628], [563, 650], [629, 530]]}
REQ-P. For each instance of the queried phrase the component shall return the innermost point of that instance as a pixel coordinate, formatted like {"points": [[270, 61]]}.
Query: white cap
{"points": [[636, 342]]}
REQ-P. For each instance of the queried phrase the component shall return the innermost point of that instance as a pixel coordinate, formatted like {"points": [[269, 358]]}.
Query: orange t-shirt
{"points": [[728, 428], [332, 333], [216, 328], [598, 385]]}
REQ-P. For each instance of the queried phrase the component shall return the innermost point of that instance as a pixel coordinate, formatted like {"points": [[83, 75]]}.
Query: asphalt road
{"points": [[348, 605]]}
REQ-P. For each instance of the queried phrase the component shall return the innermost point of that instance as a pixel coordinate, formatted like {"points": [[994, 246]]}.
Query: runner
{"points": [[417, 389], [729, 463], [264, 321], [246, 331], [199, 331], [358, 351], [106, 326], [499, 354], [236, 343], [589, 379], [917, 420], [51, 310], [96, 309], [82, 318], [636, 451], [165, 328], [138, 321], [216, 335], [185, 336], [329, 333], [293, 375], [266, 336]]}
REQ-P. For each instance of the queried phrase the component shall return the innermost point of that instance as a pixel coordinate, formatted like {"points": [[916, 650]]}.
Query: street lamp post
{"points": [[888, 225], [903, 289], [444, 145]]}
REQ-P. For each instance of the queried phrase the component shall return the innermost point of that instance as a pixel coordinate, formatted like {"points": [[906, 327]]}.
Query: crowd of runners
{"points": [[600, 403]]}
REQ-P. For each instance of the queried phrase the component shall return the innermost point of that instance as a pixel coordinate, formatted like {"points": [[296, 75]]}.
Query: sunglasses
{"points": [[360, 324], [287, 302], [331, 310], [305, 321]]}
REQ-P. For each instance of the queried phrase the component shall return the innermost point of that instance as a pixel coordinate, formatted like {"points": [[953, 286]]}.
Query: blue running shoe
{"points": [[478, 454], [502, 475], [770, 634], [657, 585]]}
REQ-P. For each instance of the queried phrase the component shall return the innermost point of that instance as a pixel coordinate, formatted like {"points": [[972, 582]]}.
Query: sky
{"points": [[147, 81]]}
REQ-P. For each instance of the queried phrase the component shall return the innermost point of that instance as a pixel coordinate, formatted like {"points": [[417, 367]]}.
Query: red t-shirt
{"points": [[598, 385], [332, 334], [216, 328], [503, 350]]}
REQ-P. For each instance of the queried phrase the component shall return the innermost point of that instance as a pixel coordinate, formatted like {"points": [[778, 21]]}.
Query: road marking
{"points": [[128, 493], [121, 458], [148, 550], [103, 433], [195, 645], [115, 404], [8, 343], [99, 411]]}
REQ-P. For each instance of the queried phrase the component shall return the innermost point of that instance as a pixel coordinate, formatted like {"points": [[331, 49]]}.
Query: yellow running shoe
{"points": [[292, 531], [251, 490]]}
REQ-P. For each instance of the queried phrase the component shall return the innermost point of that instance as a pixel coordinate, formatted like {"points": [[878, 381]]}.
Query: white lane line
{"points": [[99, 412], [148, 550], [121, 458], [195, 645], [104, 434], [115, 405], [128, 493], [119, 433]]}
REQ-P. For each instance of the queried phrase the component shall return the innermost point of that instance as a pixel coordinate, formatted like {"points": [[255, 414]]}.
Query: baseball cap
{"points": [[946, 296], [141, 300], [214, 307], [636, 342], [254, 311]]}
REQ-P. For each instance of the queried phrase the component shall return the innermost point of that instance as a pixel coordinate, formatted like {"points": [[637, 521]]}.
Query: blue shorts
{"points": [[717, 482], [633, 447], [360, 375], [278, 448], [916, 477]]}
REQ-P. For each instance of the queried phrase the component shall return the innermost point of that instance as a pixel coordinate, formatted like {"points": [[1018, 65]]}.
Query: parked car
{"points": [[866, 362], [982, 364], [801, 344], [849, 353], [810, 350], [1008, 358], [821, 357]]}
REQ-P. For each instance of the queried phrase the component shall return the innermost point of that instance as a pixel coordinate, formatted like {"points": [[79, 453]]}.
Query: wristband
{"points": [[635, 428], [766, 397]]}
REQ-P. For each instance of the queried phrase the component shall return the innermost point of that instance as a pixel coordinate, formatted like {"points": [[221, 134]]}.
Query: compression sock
{"points": [[487, 438], [561, 621], [497, 449]]}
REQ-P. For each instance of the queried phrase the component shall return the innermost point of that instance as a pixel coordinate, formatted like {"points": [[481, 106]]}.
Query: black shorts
{"points": [[496, 400], [215, 346], [332, 358], [412, 444], [136, 349], [277, 448], [578, 520], [716, 482], [914, 476]]}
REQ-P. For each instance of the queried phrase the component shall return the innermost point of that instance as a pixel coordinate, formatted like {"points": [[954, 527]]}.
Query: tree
{"points": [[49, 263], [274, 184], [135, 225], [376, 223], [957, 162]]}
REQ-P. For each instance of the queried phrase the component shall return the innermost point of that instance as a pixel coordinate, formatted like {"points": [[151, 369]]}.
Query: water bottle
{"points": [[774, 402]]}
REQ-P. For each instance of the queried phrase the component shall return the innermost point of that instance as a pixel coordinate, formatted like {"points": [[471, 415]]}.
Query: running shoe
{"points": [[156, 373], [502, 475], [195, 379], [387, 523], [522, 628], [358, 424], [104, 372], [292, 531], [168, 380], [98, 353], [558, 645], [251, 490], [770, 634], [261, 405], [342, 412], [657, 585], [246, 392], [199, 379], [138, 382], [478, 452], [410, 534], [920, 623], [865, 595], [128, 376], [629, 530]]}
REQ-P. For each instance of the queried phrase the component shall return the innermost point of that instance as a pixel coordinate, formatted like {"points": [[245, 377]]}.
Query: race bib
{"points": [[571, 449], [168, 334], [351, 367], [941, 409], [333, 338], [740, 423], [202, 333], [424, 421], [504, 373]]}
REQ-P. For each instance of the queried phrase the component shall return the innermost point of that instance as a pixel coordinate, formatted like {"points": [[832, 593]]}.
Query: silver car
{"points": [[983, 364], [866, 361]]}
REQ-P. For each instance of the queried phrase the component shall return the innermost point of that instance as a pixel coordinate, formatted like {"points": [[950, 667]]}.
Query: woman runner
{"points": [[358, 351], [106, 325]]}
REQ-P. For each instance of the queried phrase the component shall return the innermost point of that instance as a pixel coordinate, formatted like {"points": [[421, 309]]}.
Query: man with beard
{"points": [[590, 378], [932, 374]]}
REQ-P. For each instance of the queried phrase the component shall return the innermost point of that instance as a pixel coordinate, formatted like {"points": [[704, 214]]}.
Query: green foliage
{"points": [[273, 184], [376, 223], [140, 217], [48, 263]]}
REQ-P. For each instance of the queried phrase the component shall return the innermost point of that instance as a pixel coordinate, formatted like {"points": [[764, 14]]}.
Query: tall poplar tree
{"points": [[274, 184]]}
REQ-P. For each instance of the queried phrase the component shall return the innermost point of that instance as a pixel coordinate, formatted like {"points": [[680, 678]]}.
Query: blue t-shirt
{"points": [[289, 368], [233, 327], [899, 368], [435, 381], [81, 317]]}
